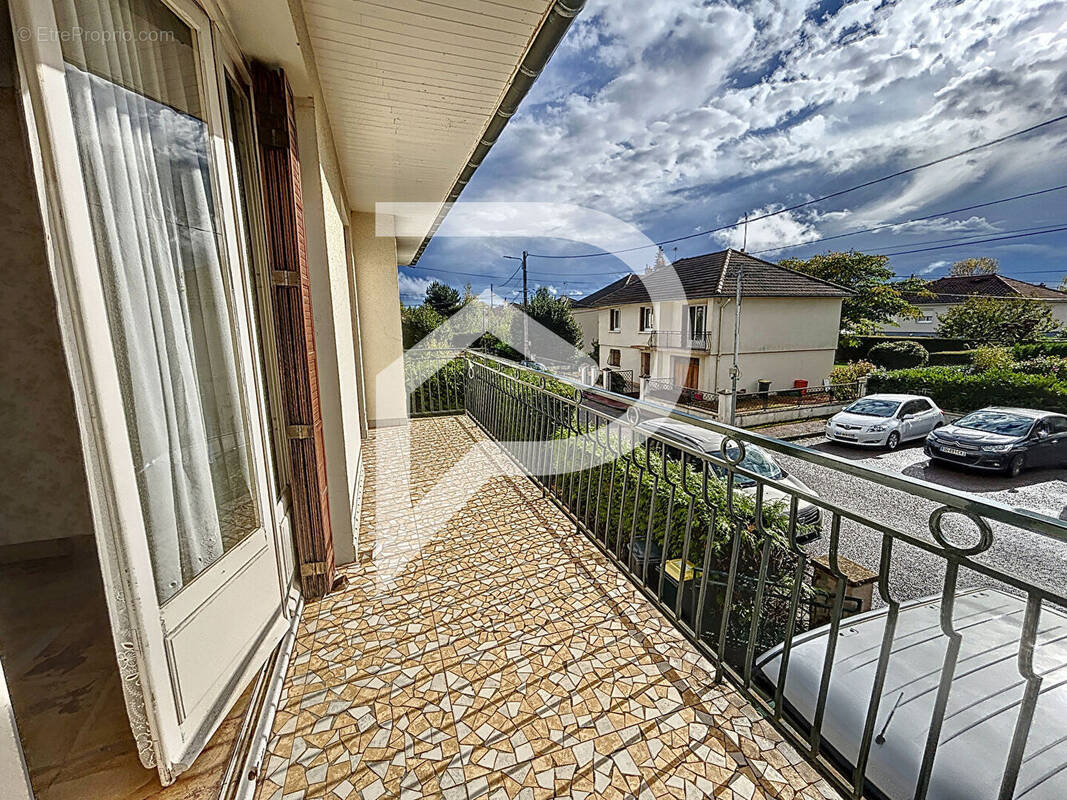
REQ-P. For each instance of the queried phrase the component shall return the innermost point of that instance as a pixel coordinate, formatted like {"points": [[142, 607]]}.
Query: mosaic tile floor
{"points": [[482, 648]]}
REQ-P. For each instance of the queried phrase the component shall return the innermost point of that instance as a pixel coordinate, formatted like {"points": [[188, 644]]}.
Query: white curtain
{"points": [[144, 154]]}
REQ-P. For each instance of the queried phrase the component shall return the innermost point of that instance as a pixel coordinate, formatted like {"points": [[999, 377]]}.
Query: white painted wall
{"points": [[325, 217], [381, 340], [588, 320]]}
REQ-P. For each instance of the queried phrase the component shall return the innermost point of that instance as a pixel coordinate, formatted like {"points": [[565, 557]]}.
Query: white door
{"points": [[152, 263]]}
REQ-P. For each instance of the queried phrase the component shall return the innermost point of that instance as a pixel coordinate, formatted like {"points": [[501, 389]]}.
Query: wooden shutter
{"points": [[291, 301]]}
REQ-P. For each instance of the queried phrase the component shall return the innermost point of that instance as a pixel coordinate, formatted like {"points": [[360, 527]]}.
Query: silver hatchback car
{"points": [[885, 420]]}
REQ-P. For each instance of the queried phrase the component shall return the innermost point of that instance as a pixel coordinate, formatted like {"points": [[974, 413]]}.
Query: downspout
{"points": [[543, 44], [718, 344]]}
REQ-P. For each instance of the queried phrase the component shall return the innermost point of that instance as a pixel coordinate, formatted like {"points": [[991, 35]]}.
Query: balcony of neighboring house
{"points": [[554, 600], [680, 340]]}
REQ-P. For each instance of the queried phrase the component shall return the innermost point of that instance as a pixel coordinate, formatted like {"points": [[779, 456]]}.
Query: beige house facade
{"points": [[789, 324]]}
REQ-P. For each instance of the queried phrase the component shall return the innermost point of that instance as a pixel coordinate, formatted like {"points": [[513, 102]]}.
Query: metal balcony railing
{"points": [[712, 538], [679, 340]]}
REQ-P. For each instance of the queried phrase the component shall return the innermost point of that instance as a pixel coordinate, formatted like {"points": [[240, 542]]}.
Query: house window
{"points": [[614, 357], [696, 320], [140, 108], [647, 320], [646, 365], [925, 319], [613, 320]]}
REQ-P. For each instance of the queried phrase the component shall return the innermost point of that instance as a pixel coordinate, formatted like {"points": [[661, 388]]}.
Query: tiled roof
{"points": [[714, 275], [957, 288]]}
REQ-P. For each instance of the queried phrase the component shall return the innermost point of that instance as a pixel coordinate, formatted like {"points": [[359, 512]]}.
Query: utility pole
{"points": [[525, 307], [735, 369], [525, 312]]}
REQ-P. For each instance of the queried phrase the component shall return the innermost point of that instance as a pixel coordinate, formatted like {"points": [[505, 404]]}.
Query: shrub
{"points": [[851, 372], [989, 357], [899, 355], [951, 358], [1033, 349], [1052, 366], [853, 348], [962, 390]]}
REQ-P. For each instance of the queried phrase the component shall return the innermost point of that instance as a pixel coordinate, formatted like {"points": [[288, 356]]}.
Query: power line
{"points": [[980, 241], [914, 219], [962, 240], [822, 198]]}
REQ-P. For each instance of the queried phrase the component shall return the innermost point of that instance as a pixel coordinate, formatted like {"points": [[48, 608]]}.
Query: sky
{"points": [[680, 116]]}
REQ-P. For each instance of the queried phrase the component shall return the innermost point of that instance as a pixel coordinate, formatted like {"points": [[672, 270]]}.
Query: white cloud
{"points": [[410, 287], [777, 231], [693, 97], [934, 266]]}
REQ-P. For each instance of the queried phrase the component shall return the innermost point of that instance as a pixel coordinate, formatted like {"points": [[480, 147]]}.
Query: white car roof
{"points": [[896, 398]]}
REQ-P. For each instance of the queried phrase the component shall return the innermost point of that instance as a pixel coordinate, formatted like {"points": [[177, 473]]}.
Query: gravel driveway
{"points": [[915, 573]]}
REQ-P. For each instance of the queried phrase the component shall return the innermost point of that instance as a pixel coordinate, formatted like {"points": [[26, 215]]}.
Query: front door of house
{"points": [[142, 142], [686, 371]]}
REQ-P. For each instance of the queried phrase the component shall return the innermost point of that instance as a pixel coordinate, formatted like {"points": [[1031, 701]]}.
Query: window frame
{"points": [[646, 319], [614, 320], [614, 357]]}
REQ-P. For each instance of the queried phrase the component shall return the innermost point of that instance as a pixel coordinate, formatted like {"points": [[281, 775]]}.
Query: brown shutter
{"points": [[291, 294]]}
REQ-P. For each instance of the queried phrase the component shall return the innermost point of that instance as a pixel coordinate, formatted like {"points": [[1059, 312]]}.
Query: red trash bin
{"points": [[802, 385]]}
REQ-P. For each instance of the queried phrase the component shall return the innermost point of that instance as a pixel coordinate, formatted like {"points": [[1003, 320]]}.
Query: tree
{"points": [[555, 314], [975, 266], [1001, 321], [876, 301], [1063, 284], [442, 298], [417, 322]]}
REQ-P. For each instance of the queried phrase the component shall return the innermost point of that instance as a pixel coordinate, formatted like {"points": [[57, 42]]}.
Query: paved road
{"points": [[915, 573]]}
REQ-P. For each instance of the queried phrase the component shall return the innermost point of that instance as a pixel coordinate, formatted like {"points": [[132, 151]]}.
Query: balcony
{"points": [[550, 603], [679, 340]]}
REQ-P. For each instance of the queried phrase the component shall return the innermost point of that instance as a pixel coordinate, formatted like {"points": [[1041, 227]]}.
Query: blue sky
{"points": [[678, 116]]}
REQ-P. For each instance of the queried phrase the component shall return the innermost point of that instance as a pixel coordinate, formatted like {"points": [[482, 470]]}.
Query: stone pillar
{"points": [[725, 407], [381, 340], [861, 387]]}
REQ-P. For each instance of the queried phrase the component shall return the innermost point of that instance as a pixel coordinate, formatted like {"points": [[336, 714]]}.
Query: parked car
{"points": [[885, 420], [1008, 439], [756, 460], [984, 702]]}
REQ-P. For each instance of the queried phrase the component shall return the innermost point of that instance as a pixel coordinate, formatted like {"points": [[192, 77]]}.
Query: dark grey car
{"points": [[1006, 439]]}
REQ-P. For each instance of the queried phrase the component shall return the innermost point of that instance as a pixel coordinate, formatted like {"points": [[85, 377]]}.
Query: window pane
{"points": [[134, 89]]}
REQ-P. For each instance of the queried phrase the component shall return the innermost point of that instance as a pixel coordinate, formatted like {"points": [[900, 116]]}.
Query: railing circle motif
{"points": [[633, 416], [985, 533], [724, 449], [470, 371]]}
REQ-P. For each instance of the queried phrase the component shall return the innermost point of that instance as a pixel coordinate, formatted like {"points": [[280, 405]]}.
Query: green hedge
{"points": [[1023, 352], [859, 346], [959, 390], [951, 358], [899, 355]]}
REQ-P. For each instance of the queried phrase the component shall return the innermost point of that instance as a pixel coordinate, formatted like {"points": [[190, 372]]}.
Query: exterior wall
{"points": [[782, 339], [589, 321], [325, 217], [381, 339], [913, 327]]}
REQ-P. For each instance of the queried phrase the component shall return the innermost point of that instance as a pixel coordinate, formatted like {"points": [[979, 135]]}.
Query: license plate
{"points": [[848, 436], [952, 451]]}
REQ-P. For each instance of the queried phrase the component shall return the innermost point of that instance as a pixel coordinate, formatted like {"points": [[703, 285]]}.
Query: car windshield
{"points": [[997, 422], [874, 407], [756, 461]]}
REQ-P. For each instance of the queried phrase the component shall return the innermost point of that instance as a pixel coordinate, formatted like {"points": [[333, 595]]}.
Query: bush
{"points": [[899, 355], [1052, 366], [1034, 349], [951, 358], [962, 390], [851, 372], [990, 357]]}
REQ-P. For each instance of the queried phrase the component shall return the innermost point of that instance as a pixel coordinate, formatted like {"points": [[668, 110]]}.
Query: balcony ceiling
{"points": [[411, 85]]}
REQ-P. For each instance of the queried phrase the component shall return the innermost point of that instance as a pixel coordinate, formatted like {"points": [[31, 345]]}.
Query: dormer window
{"points": [[614, 322]]}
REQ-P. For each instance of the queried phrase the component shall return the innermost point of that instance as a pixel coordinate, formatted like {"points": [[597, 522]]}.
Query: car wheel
{"points": [[1015, 466], [892, 442]]}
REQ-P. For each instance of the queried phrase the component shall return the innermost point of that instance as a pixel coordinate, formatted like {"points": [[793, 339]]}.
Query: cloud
{"points": [[411, 288], [777, 231], [933, 266], [672, 103]]}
